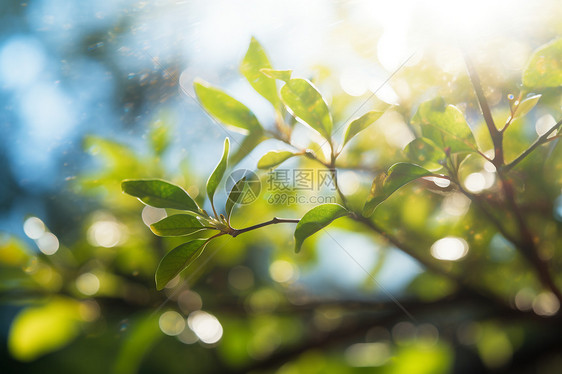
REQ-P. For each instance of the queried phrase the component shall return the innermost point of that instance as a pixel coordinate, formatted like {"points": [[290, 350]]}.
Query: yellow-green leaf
{"points": [[384, 185], [283, 75], [38, 330], [424, 152], [273, 158], [308, 106], [177, 225], [177, 260], [159, 194], [255, 60], [316, 219], [218, 173], [225, 108], [544, 69], [361, 124], [526, 105]]}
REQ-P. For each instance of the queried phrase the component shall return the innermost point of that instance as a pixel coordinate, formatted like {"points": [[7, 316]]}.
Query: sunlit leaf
{"points": [[225, 108], [445, 126], [383, 186], [159, 194], [218, 173], [284, 75], [159, 136], [234, 196], [177, 260], [361, 124], [42, 329], [274, 158], [526, 105], [544, 69], [177, 225], [304, 101], [424, 152], [316, 219], [255, 60]]}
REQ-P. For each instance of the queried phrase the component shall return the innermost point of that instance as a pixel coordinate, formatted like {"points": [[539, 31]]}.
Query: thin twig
{"points": [[273, 221]]}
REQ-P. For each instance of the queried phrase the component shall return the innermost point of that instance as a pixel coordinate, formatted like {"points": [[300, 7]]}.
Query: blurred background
{"points": [[94, 92]]}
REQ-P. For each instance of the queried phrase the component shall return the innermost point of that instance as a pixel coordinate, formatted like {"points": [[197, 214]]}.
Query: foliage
{"points": [[413, 197]]}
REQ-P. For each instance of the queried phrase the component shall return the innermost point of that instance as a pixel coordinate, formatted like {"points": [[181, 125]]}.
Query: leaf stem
{"points": [[273, 221], [495, 134], [541, 140]]}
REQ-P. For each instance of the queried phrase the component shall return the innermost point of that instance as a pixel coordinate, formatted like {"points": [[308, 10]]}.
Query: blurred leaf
{"points": [[218, 173], [445, 126], [284, 75], [361, 124], [526, 106], [141, 336], [424, 152], [159, 194], [421, 358], [544, 69], [177, 225], [177, 260], [384, 185], [225, 108], [235, 194], [159, 136], [42, 329], [273, 158], [255, 60], [316, 219], [248, 144], [304, 102]]}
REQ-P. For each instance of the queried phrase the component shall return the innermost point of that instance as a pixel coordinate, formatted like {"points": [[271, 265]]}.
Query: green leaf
{"points": [[159, 194], [445, 126], [544, 69], [316, 219], [361, 124], [384, 185], [159, 136], [255, 60], [42, 329], [424, 152], [284, 75], [218, 173], [273, 158], [177, 260], [177, 225], [234, 196], [225, 108], [308, 106], [526, 106]]}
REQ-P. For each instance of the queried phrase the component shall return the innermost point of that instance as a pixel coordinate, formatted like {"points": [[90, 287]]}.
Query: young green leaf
{"points": [[283, 75], [424, 152], [384, 185], [255, 60], [361, 124], [308, 106], [544, 69], [273, 158], [159, 194], [526, 105], [445, 126], [225, 108], [177, 260], [316, 219], [159, 136], [218, 173], [234, 196], [177, 225]]}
